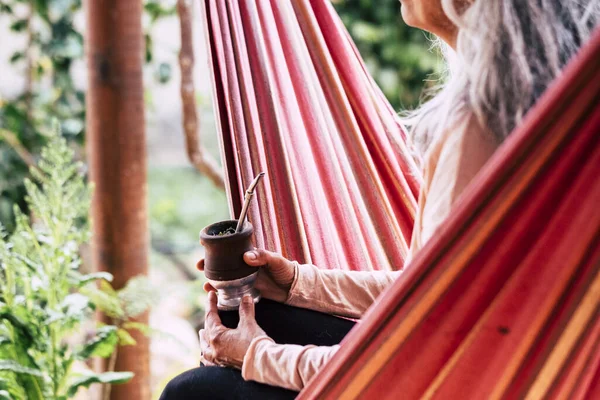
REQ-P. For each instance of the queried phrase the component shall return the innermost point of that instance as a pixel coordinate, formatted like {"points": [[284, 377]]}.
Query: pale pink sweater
{"points": [[450, 164]]}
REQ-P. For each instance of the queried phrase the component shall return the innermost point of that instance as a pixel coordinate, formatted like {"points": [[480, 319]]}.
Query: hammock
{"points": [[505, 301], [340, 189]]}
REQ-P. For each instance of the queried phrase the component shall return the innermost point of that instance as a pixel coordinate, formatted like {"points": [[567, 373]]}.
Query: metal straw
{"points": [[247, 199]]}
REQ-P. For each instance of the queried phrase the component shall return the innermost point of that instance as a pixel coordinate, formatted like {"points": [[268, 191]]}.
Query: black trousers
{"points": [[285, 325]]}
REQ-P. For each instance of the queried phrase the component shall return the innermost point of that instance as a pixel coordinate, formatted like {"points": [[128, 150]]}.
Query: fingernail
{"points": [[251, 255], [247, 299]]}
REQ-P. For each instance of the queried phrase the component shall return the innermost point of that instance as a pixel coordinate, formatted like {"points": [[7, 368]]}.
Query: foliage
{"points": [[44, 300], [51, 47], [176, 213], [54, 43], [396, 55]]}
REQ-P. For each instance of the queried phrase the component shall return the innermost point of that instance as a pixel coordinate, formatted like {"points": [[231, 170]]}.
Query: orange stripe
{"points": [[581, 318], [579, 368]]}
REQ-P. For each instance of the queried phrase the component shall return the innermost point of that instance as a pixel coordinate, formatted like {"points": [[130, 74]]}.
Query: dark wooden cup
{"points": [[224, 258], [224, 265]]}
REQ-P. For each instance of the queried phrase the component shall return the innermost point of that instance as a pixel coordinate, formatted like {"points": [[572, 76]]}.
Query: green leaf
{"points": [[105, 299], [41, 6], [13, 366], [84, 279], [71, 48], [74, 307], [101, 345], [125, 339], [139, 326], [156, 10], [19, 25], [137, 296], [28, 262], [107, 288], [57, 9], [72, 126], [10, 384], [163, 73], [91, 378], [76, 304], [5, 8], [19, 55], [25, 331], [148, 47]]}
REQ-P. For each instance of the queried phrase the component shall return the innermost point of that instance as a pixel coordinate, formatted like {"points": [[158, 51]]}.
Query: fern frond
{"points": [[137, 296]]}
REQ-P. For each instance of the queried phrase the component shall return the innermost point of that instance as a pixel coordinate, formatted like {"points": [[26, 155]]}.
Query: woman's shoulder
{"points": [[463, 147], [451, 163]]}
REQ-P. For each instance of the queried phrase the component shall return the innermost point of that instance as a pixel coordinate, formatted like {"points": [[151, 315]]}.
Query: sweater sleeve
{"points": [[288, 366], [343, 293]]}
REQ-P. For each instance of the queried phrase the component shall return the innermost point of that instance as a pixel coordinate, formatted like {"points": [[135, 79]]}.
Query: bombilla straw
{"points": [[248, 197]]}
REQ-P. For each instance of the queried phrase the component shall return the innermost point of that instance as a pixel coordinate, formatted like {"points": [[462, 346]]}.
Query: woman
{"points": [[502, 55]]}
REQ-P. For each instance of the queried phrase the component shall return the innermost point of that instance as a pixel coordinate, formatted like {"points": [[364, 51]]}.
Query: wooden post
{"points": [[116, 150]]}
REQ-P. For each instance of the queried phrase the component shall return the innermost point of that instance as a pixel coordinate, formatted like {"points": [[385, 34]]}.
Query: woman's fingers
{"points": [[252, 258], [203, 342], [205, 351], [200, 265], [209, 357], [228, 347], [215, 334], [212, 320], [247, 310], [260, 257], [208, 287], [215, 331]]}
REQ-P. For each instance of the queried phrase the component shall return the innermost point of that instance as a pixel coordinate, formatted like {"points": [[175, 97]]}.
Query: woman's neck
{"points": [[449, 36]]}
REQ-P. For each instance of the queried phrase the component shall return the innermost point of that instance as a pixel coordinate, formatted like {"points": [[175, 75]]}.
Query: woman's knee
{"points": [[188, 385], [217, 383], [213, 383]]}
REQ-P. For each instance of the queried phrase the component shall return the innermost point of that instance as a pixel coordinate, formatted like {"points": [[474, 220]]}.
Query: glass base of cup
{"points": [[230, 293]]}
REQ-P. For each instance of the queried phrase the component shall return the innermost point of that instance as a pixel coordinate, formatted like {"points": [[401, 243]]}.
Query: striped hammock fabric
{"points": [[504, 302], [293, 99]]}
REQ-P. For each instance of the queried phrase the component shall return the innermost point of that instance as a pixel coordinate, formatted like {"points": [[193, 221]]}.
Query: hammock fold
{"points": [[504, 302], [341, 185]]}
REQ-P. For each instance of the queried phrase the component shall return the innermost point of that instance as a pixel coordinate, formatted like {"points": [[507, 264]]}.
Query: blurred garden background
{"points": [[43, 76]]}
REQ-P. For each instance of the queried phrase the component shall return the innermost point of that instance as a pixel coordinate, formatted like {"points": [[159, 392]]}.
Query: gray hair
{"points": [[508, 52]]}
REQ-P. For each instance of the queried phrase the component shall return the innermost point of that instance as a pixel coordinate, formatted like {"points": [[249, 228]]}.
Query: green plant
{"points": [[121, 306], [45, 301], [396, 55], [52, 44], [176, 214]]}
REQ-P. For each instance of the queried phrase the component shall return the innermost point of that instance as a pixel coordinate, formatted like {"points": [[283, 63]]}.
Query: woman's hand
{"points": [[227, 347], [275, 276]]}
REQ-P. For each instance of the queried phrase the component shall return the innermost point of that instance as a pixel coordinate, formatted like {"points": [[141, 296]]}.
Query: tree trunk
{"points": [[116, 150]]}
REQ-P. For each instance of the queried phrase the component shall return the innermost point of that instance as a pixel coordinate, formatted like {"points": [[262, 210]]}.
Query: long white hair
{"points": [[507, 54]]}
